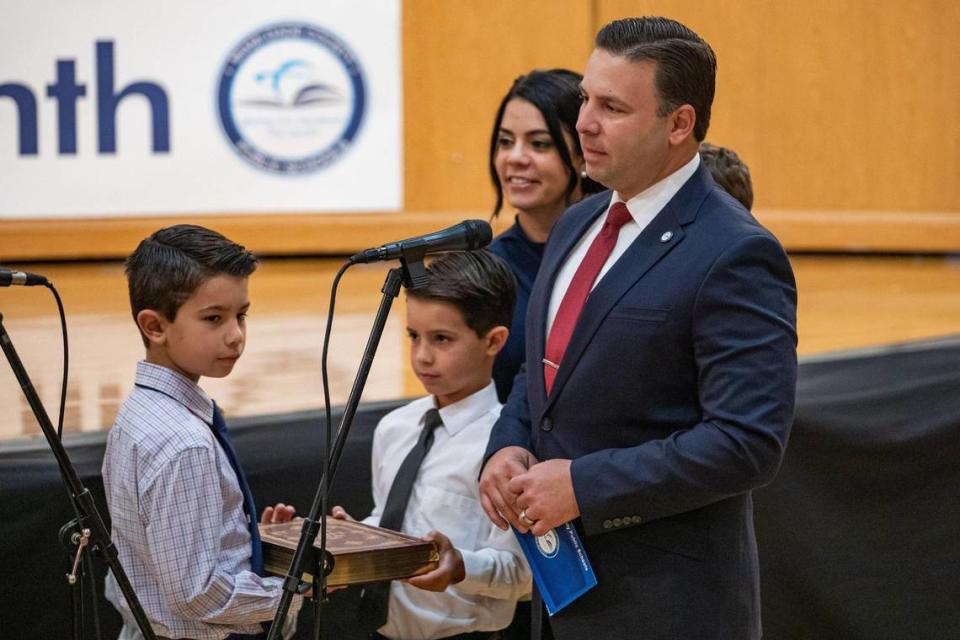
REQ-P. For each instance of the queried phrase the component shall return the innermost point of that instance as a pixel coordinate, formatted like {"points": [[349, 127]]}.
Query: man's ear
{"points": [[152, 325], [683, 120], [496, 338]]}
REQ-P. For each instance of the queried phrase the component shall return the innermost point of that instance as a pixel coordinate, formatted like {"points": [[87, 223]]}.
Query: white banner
{"points": [[113, 108]]}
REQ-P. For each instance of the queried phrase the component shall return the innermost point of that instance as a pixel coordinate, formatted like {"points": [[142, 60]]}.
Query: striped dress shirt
{"points": [[178, 520]]}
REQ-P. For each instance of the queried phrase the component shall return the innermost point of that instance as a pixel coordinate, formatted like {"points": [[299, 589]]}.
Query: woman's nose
{"points": [[518, 154]]}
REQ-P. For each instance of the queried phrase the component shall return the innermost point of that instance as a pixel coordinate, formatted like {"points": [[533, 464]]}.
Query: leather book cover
{"points": [[360, 553]]}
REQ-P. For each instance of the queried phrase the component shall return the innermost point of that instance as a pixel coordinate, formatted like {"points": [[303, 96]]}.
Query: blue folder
{"points": [[559, 564]]}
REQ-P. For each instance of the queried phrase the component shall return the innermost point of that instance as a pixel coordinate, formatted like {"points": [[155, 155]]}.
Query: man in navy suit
{"points": [[660, 364]]}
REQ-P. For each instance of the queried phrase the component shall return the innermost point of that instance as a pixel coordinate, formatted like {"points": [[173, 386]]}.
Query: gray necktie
{"points": [[374, 602]]}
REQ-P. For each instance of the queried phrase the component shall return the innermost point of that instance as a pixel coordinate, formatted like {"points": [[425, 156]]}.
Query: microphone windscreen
{"points": [[479, 234]]}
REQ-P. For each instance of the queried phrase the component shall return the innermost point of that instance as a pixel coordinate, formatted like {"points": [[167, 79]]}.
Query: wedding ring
{"points": [[525, 520]]}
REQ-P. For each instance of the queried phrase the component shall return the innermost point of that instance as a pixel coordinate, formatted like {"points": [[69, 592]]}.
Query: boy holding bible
{"points": [[426, 461]]}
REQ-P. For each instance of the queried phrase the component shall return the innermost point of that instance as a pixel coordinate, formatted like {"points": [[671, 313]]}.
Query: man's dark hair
{"points": [[478, 283], [686, 65], [556, 95], [168, 266], [728, 171]]}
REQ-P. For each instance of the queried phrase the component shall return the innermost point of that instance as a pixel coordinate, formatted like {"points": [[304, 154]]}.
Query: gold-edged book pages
{"points": [[361, 553]]}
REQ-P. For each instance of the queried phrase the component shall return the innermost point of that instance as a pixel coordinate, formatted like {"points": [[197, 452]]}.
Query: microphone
{"points": [[468, 235], [8, 278]]}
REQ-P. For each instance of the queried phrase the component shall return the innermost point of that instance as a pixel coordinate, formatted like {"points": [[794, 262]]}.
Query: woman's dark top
{"points": [[523, 255]]}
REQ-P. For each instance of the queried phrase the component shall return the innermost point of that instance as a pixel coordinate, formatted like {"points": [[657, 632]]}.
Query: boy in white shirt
{"points": [[457, 324]]}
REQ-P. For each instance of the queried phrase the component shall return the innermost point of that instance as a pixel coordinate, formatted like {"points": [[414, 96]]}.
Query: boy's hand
{"points": [[450, 570], [280, 513], [339, 513]]}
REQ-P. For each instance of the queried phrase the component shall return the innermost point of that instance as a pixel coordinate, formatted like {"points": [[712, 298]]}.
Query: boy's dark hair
{"points": [[728, 171], [168, 266], [556, 95], [686, 65], [478, 283]]}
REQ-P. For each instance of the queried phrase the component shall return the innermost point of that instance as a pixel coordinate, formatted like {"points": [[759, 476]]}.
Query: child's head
{"points": [[729, 172], [459, 321], [188, 296]]}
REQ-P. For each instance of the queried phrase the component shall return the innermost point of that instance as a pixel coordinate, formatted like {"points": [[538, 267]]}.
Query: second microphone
{"points": [[468, 235]]}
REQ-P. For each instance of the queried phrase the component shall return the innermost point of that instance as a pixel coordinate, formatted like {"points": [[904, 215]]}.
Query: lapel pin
{"points": [[666, 236]]}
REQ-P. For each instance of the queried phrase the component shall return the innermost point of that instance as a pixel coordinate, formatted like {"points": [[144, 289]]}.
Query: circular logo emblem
{"points": [[291, 98], [548, 544]]}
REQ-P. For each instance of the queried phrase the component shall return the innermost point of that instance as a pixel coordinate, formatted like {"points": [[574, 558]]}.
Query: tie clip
{"points": [[552, 365]]}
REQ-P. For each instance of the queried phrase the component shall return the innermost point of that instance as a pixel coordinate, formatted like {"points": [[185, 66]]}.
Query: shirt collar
{"points": [[176, 387], [656, 196], [464, 412]]}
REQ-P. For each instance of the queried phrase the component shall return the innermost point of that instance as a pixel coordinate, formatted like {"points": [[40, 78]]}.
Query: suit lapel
{"points": [[660, 237]]}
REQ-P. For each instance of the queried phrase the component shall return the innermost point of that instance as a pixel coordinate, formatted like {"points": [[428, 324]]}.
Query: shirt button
{"points": [[607, 524], [546, 424]]}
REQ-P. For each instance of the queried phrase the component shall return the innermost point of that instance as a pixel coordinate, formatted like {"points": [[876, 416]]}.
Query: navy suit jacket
{"points": [[674, 400]]}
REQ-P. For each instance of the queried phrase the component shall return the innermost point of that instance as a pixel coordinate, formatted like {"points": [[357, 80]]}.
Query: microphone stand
{"points": [[89, 525], [411, 274]]}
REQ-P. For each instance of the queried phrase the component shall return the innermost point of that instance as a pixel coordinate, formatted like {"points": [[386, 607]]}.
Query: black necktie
{"points": [[374, 603]]}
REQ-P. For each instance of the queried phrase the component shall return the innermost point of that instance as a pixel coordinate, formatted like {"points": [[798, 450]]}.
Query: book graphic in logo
{"points": [[291, 98], [548, 544]]}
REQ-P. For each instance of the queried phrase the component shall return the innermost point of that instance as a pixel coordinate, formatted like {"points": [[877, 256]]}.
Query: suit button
{"points": [[607, 524], [636, 519], [546, 424], [617, 522]]}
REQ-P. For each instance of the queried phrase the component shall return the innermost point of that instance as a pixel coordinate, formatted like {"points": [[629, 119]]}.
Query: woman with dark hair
{"points": [[537, 164]]}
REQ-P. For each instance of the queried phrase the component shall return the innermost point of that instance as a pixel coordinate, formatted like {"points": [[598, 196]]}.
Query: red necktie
{"points": [[579, 289]]}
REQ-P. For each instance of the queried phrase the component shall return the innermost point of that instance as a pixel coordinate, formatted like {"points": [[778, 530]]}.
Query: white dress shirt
{"points": [[643, 208], [446, 498], [177, 517]]}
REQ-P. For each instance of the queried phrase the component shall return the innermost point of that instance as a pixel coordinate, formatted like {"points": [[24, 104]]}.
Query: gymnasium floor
{"points": [[845, 302]]}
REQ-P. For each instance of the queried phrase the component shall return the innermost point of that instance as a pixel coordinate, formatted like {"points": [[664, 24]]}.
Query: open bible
{"points": [[356, 553]]}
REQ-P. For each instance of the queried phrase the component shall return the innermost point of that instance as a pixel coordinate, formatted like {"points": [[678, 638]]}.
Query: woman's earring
{"points": [[583, 174]]}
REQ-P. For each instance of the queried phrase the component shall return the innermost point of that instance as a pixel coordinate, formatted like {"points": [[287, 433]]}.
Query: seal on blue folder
{"points": [[559, 564]]}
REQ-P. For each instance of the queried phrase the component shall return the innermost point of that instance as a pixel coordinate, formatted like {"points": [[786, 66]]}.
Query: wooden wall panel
{"points": [[847, 112], [460, 57]]}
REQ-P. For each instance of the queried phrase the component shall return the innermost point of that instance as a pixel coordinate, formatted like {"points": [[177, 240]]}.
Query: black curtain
{"points": [[859, 533]]}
